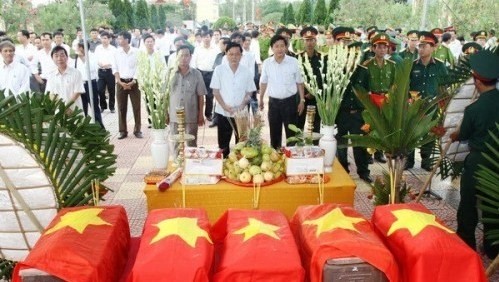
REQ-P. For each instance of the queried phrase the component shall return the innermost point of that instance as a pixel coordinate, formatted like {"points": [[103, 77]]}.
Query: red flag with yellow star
{"points": [[175, 246], [82, 244], [255, 245], [425, 249], [337, 231]]}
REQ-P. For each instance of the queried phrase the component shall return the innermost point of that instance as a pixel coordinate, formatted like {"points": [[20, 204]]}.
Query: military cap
{"points": [[381, 38], [395, 41], [284, 30], [482, 34], [342, 32], [485, 65], [413, 34], [437, 31], [471, 48], [449, 29], [309, 32], [427, 37], [371, 28]]}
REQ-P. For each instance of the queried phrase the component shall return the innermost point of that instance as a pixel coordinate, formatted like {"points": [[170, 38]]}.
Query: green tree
{"points": [[333, 5], [274, 7], [291, 14], [161, 16], [128, 15], [305, 13], [154, 17], [141, 16], [284, 18], [173, 14], [320, 12], [18, 15], [224, 22]]}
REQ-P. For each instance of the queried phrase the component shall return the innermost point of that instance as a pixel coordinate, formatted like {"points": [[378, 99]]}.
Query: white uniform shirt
{"points": [[126, 63], [255, 49], [66, 84], [281, 78], [204, 58], [82, 67], [28, 52], [104, 55], [46, 63], [14, 78], [233, 86]]}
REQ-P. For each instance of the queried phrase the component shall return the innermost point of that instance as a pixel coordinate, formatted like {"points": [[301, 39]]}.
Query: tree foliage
{"points": [[320, 12], [154, 17], [161, 16], [304, 15], [291, 14], [18, 15], [333, 5], [141, 15], [224, 22]]}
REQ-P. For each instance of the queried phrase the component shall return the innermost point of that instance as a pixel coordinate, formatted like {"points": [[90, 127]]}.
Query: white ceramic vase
{"points": [[328, 144], [160, 148]]}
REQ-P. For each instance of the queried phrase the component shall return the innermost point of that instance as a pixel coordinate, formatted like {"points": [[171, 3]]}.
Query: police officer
{"points": [[309, 36], [441, 51], [479, 118], [411, 51], [378, 75], [425, 75]]}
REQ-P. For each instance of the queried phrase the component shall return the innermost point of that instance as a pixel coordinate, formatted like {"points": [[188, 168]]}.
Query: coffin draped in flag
{"points": [[175, 246], [82, 244], [255, 245], [333, 231], [425, 249]]}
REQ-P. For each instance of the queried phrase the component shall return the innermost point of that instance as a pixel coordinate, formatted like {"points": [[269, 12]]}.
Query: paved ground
{"points": [[134, 161]]}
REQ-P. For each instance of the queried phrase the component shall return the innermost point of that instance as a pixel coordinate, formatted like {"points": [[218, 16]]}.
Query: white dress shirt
{"points": [[82, 67], [28, 52], [233, 86], [126, 63], [255, 49], [247, 60], [203, 58], [14, 78], [281, 78], [46, 63], [66, 84], [455, 48], [104, 55]]}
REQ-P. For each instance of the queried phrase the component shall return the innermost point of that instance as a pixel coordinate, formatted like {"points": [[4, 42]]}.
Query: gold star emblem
{"points": [[79, 220], [347, 34], [414, 221], [256, 227], [333, 220], [309, 33], [184, 227], [482, 33]]}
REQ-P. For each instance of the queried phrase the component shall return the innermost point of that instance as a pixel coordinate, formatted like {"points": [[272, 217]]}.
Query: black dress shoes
{"points": [[122, 136], [380, 158], [138, 134], [367, 178]]}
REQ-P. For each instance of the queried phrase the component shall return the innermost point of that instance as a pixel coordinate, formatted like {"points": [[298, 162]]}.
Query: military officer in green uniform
{"points": [[479, 118], [411, 51], [378, 75], [470, 48], [441, 51], [264, 41], [392, 50], [425, 75], [342, 34], [367, 50], [309, 36], [480, 37]]}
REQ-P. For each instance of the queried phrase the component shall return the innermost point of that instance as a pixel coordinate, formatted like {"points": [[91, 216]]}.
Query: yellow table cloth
{"points": [[281, 196]]}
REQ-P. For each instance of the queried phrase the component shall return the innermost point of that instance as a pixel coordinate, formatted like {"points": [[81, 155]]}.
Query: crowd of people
{"points": [[218, 72]]}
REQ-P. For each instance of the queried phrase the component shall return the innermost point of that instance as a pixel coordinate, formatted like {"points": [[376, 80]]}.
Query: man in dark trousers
{"points": [[479, 118]]}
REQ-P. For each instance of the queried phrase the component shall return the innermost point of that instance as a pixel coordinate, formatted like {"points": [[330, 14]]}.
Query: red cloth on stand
{"points": [[255, 245], [425, 249], [337, 231], [82, 244], [175, 246]]}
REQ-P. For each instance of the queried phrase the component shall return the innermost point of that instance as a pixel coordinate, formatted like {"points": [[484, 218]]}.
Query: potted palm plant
{"points": [[398, 126], [156, 90], [338, 66]]}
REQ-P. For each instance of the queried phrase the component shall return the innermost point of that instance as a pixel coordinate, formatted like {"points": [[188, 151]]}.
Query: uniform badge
{"points": [[347, 34]]}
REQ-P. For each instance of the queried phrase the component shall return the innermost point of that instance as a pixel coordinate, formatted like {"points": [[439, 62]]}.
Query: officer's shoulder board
{"points": [[390, 61], [366, 62], [437, 59], [402, 51], [367, 49], [361, 65], [445, 47]]}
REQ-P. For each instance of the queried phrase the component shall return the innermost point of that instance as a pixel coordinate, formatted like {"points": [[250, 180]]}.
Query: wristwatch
{"points": [[302, 100]]}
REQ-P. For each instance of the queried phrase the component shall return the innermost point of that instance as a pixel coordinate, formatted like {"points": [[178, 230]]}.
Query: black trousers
{"points": [[224, 132], [425, 152], [350, 122], [281, 112], [106, 80], [208, 104], [95, 101]]}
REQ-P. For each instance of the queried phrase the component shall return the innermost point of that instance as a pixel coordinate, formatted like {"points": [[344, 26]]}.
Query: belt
{"points": [[202, 71], [126, 79], [105, 69], [283, 99]]}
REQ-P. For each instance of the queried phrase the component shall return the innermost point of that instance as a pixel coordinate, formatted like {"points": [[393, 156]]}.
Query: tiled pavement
{"points": [[134, 161]]}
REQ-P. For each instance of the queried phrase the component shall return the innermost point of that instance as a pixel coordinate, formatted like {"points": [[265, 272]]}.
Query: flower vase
{"points": [[328, 143], [160, 148]]}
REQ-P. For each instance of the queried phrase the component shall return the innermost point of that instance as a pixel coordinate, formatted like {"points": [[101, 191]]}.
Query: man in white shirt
{"points": [[66, 81], [59, 41], [203, 60], [79, 37], [44, 57], [281, 79], [125, 74], [232, 86], [28, 52], [104, 54], [14, 76]]}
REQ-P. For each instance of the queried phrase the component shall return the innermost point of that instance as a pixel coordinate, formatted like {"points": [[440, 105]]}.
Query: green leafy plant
{"points": [[300, 138], [338, 68], [398, 126], [71, 150], [381, 190]]}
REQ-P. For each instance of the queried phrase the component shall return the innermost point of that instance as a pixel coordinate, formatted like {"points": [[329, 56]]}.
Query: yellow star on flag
{"points": [[256, 227], [333, 220], [79, 220], [185, 227], [414, 221]]}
